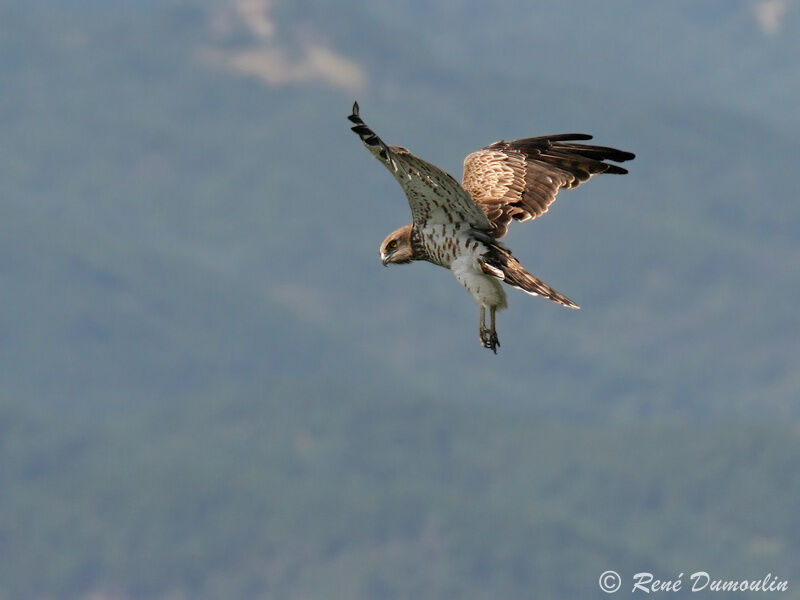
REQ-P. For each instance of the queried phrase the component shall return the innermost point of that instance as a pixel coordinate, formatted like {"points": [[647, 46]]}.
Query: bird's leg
{"points": [[483, 333], [488, 336], [494, 343]]}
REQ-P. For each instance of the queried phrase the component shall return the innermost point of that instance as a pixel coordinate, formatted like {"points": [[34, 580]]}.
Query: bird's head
{"points": [[396, 248]]}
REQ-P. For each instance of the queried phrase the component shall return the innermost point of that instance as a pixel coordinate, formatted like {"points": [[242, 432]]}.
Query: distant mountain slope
{"points": [[95, 322], [286, 496]]}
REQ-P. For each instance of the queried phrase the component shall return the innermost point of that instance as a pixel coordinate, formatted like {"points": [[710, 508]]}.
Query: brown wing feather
{"points": [[433, 196], [520, 179]]}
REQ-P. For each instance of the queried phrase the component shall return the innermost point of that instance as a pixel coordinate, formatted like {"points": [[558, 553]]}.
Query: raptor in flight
{"points": [[458, 226]]}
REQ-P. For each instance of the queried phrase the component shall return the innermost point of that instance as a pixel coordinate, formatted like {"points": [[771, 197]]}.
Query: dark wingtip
{"points": [[354, 116], [622, 156]]}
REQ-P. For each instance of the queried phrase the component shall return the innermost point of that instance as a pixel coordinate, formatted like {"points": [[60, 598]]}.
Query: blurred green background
{"points": [[210, 388]]}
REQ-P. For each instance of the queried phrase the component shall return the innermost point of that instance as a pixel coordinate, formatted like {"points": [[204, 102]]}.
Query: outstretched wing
{"points": [[434, 196], [519, 180]]}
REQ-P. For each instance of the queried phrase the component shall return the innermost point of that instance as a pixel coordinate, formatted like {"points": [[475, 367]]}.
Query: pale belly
{"points": [[454, 250]]}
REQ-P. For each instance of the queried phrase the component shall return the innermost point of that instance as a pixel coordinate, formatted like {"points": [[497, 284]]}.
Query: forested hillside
{"points": [[299, 494]]}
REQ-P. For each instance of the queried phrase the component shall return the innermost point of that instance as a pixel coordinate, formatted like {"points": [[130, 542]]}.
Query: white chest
{"points": [[455, 250], [445, 243]]}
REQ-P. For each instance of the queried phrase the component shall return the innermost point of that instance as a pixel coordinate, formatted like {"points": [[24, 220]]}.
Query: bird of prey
{"points": [[458, 226]]}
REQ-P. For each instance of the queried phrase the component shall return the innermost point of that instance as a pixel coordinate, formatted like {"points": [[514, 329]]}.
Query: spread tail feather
{"points": [[499, 263]]}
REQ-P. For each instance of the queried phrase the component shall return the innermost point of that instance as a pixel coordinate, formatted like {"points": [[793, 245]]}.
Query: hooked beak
{"points": [[385, 259]]}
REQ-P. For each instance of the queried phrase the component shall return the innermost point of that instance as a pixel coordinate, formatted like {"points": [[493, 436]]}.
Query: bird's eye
{"points": [[393, 244]]}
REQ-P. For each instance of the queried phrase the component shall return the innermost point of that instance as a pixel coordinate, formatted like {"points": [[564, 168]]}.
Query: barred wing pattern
{"points": [[434, 196], [519, 180]]}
